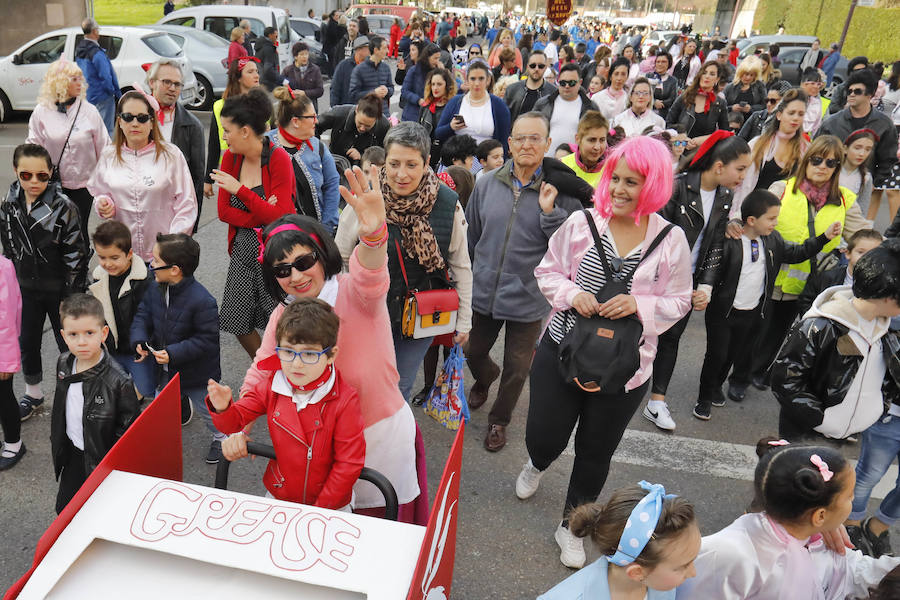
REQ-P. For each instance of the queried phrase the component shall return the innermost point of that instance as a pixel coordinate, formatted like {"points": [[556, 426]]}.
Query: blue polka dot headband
{"points": [[640, 525]]}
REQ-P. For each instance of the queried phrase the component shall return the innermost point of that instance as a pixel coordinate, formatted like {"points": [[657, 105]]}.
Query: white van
{"points": [[221, 19]]}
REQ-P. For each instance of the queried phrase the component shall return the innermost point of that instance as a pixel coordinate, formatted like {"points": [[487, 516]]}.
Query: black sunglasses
{"points": [[754, 250], [856, 91], [771, 101], [27, 175], [536, 66], [141, 118], [302, 263], [568, 83], [818, 160], [152, 269]]}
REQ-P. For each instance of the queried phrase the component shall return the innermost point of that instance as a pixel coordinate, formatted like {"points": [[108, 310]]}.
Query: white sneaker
{"points": [[661, 417], [528, 481], [571, 548]]}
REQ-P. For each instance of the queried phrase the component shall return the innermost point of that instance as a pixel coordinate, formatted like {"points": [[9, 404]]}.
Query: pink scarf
{"points": [[816, 195], [801, 583]]}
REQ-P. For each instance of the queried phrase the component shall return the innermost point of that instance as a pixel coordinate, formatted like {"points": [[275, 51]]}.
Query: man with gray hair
{"points": [[249, 38], [176, 124], [512, 213], [103, 85]]}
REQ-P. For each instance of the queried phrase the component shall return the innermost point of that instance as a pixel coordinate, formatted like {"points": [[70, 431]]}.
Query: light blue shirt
{"points": [[590, 584]]}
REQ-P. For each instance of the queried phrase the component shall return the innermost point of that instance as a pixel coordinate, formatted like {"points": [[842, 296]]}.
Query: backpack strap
{"points": [[653, 245], [606, 268]]}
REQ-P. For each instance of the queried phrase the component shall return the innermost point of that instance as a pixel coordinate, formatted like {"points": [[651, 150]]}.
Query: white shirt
{"points": [[634, 125], [752, 281], [552, 54], [75, 411], [166, 128], [564, 122], [479, 120], [707, 199], [813, 117], [609, 106]]}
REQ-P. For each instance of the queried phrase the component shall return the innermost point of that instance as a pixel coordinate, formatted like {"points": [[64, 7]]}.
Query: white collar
{"points": [[329, 291], [280, 385]]}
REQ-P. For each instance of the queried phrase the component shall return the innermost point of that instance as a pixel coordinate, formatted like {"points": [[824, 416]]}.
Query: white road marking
{"points": [[704, 457]]}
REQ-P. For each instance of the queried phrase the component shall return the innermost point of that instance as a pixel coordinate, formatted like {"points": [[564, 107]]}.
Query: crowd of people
{"points": [[589, 210]]}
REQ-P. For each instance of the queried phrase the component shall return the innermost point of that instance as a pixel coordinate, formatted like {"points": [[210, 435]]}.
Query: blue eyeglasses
{"points": [[307, 357]]}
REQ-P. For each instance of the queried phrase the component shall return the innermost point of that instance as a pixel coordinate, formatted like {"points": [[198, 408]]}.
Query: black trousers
{"points": [[667, 355], [9, 412], [553, 412], [84, 202], [728, 342], [72, 476], [36, 307], [774, 329]]}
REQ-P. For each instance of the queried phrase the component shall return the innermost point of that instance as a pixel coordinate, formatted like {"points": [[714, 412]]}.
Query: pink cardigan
{"points": [[10, 317], [662, 284], [366, 349]]}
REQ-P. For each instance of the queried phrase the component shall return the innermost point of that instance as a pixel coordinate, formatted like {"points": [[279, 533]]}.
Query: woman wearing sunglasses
{"points": [[813, 194], [141, 180], [71, 130], [314, 169], [301, 260], [256, 186]]}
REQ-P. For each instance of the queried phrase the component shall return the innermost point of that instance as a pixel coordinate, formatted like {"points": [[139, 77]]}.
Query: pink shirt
{"points": [[661, 286], [49, 128], [149, 196], [10, 317]]}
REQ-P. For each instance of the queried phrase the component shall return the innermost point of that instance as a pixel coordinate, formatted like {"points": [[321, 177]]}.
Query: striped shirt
{"points": [[591, 278]]}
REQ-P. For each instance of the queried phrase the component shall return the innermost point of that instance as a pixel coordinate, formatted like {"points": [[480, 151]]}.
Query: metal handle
{"points": [[391, 504]]}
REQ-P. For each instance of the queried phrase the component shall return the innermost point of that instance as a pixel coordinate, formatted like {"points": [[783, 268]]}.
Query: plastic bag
{"points": [[446, 402]]}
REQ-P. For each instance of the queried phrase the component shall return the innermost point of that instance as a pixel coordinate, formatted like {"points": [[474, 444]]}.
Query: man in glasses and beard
{"points": [[521, 96]]}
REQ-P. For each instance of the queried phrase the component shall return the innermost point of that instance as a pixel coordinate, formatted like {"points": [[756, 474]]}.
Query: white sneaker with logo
{"points": [[571, 548], [658, 414], [528, 481]]}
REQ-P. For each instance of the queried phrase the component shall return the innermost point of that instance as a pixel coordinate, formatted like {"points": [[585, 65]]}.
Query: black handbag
{"points": [[598, 353], [54, 172]]}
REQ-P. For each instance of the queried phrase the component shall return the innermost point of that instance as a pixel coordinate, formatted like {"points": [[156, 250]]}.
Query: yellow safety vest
{"points": [[217, 111], [793, 225], [592, 178]]}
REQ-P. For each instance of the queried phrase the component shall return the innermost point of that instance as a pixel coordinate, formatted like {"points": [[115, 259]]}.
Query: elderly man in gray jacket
{"points": [[512, 213]]}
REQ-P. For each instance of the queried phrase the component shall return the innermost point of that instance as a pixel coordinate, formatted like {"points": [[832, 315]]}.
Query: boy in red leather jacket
{"points": [[313, 416]]}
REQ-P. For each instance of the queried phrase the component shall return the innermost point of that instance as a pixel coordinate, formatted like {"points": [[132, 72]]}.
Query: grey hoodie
{"points": [[507, 240]]}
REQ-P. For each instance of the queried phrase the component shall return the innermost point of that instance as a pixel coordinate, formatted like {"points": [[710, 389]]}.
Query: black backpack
{"points": [[598, 353]]}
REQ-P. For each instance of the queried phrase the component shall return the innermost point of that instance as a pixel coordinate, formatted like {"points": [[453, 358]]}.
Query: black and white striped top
{"points": [[591, 278]]}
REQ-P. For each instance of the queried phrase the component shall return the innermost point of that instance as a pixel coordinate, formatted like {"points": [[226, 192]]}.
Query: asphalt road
{"points": [[505, 547]]}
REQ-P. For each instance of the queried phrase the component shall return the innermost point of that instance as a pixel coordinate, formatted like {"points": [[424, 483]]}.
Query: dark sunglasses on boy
{"points": [[302, 263], [818, 160], [141, 118], [27, 175]]}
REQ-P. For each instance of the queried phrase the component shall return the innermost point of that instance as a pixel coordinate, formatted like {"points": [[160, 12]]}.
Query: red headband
{"points": [[445, 177], [242, 62], [860, 132], [291, 92], [279, 229], [712, 140]]}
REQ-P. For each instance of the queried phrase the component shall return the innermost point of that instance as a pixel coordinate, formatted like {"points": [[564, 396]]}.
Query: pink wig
{"points": [[647, 156]]}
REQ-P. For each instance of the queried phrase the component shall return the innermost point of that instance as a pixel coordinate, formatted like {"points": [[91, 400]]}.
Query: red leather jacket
{"points": [[321, 449]]}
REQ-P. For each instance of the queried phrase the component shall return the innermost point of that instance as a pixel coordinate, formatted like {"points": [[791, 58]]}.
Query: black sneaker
{"points": [[736, 393], [855, 533], [187, 410], [718, 399], [27, 405], [759, 382], [881, 545], [419, 399], [702, 410], [215, 453], [8, 462]]}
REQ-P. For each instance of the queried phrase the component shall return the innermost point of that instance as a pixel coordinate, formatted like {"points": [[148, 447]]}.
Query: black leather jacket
{"points": [[46, 244], [515, 96], [110, 406], [685, 209], [341, 120]]}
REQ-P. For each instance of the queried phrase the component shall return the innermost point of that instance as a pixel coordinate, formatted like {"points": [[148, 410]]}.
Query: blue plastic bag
{"points": [[446, 402]]}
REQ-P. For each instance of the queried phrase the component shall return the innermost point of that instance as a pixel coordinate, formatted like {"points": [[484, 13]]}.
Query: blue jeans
{"points": [[143, 373], [107, 110], [880, 446], [410, 353], [198, 399]]}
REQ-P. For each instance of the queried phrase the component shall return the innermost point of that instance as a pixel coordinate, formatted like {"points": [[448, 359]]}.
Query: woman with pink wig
{"points": [[636, 183]]}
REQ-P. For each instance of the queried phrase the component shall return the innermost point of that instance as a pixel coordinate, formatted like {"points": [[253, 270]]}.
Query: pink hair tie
{"points": [[279, 229], [779, 443], [612, 131], [820, 464], [149, 97]]}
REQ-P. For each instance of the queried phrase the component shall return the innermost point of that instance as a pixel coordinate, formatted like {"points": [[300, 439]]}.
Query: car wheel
{"points": [[5, 107], [205, 94]]}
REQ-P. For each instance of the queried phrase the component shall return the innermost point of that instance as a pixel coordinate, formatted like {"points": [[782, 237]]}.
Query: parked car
{"points": [[220, 19], [208, 54], [656, 38], [309, 31], [404, 12], [761, 43], [791, 51], [381, 25], [131, 50], [790, 65]]}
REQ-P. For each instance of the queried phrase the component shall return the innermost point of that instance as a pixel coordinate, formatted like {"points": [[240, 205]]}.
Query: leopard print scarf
{"points": [[410, 213]]}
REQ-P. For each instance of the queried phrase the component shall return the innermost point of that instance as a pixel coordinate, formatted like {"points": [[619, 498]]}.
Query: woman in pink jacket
{"points": [[10, 322], [636, 182], [301, 260], [141, 180]]}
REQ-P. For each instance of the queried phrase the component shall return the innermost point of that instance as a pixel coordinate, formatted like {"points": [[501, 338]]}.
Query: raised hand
{"points": [[365, 197], [547, 197], [219, 395], [834, 230]]}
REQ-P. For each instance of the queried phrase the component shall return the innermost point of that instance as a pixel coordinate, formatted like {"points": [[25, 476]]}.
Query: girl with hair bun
{"points": [[801, 492], [256, 186], [648, 541]]}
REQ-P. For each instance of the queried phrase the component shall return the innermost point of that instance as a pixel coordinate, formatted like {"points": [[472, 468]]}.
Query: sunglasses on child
{"points": [[818, 160], [141, 118], [302, 263], [27, 175]]}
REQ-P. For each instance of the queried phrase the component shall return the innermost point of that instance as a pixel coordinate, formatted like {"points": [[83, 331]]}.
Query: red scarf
{"points": [[294, 141], [815, 195], [161, 113], [710, 99], [314, 384]]}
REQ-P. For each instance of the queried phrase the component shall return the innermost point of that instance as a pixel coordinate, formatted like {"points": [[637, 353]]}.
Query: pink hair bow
{"points": [[779, 443], [149, 97], [820, 464]]}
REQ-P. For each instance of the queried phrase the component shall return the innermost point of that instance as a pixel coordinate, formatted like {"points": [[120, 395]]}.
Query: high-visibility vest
{"points": [[217, 111], [592, 178], [793, 225]]}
